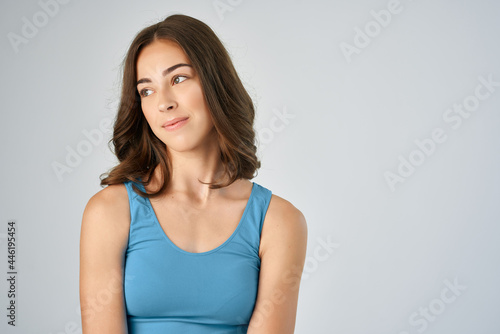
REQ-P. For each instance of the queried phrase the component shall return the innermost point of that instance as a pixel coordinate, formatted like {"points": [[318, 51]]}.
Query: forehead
{"points": [[159, 55]]}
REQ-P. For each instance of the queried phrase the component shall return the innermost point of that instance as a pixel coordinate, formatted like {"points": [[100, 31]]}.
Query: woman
{"points": [[180, 240]]}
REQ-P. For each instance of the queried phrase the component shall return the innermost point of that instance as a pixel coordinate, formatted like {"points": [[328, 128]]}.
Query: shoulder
{"points": [[283, 224], [107, 213], [111, 199]]}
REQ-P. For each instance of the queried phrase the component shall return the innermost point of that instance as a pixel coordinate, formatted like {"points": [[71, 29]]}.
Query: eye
{"points": [[176, 79], [143, 92]]}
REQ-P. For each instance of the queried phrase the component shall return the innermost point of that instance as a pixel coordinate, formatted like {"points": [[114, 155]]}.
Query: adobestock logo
{"points": [[74, 157], [277, 124], [373, 28], [30, 28], [223, 6], [454, 117], [427, 314], [292, 278], [322, 252]]}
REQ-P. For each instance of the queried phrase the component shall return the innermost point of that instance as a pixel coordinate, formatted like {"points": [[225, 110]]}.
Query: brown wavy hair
{"points": [[140, 151]]}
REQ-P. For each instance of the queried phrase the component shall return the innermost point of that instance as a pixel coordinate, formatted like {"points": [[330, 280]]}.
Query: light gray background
{"points": [[392, 252]]}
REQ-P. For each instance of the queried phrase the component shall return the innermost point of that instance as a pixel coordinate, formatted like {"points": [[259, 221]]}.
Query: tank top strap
{"points": [[261, 204], [138, 204], [142, 219], [250, 231]]}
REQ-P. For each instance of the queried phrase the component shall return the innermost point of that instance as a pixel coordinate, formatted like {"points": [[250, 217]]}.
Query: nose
{"points": [[166, 101]]}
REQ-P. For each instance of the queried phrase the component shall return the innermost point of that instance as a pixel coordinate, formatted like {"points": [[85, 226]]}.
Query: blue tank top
{"points": [[170, 290]]}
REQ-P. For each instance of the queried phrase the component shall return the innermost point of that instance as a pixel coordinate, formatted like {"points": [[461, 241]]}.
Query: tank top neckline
{"points": [[162, 232]]}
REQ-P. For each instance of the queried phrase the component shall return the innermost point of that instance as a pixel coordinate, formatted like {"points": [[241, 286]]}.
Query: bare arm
{"points": [[283, 251], [103, 241]]}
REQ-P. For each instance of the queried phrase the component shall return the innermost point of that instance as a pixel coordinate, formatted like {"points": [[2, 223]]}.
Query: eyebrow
{"points": [[164, 73]]}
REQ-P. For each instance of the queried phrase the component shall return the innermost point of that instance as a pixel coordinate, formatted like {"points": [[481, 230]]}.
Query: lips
{"points": [[174, 120]]}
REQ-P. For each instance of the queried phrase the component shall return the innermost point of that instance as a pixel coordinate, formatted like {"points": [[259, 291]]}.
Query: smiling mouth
{"points": [[176, 125], [177, 120]]}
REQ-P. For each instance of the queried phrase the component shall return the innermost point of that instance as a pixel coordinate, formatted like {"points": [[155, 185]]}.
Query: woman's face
{"points": [[170, 88]]}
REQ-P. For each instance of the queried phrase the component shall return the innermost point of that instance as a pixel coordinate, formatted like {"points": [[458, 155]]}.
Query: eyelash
{"points": [[141, 93]]}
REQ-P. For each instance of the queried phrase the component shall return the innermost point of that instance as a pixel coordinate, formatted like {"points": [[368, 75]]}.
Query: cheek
{"points": [[147, 112], [148, 106], [196, 98]]}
